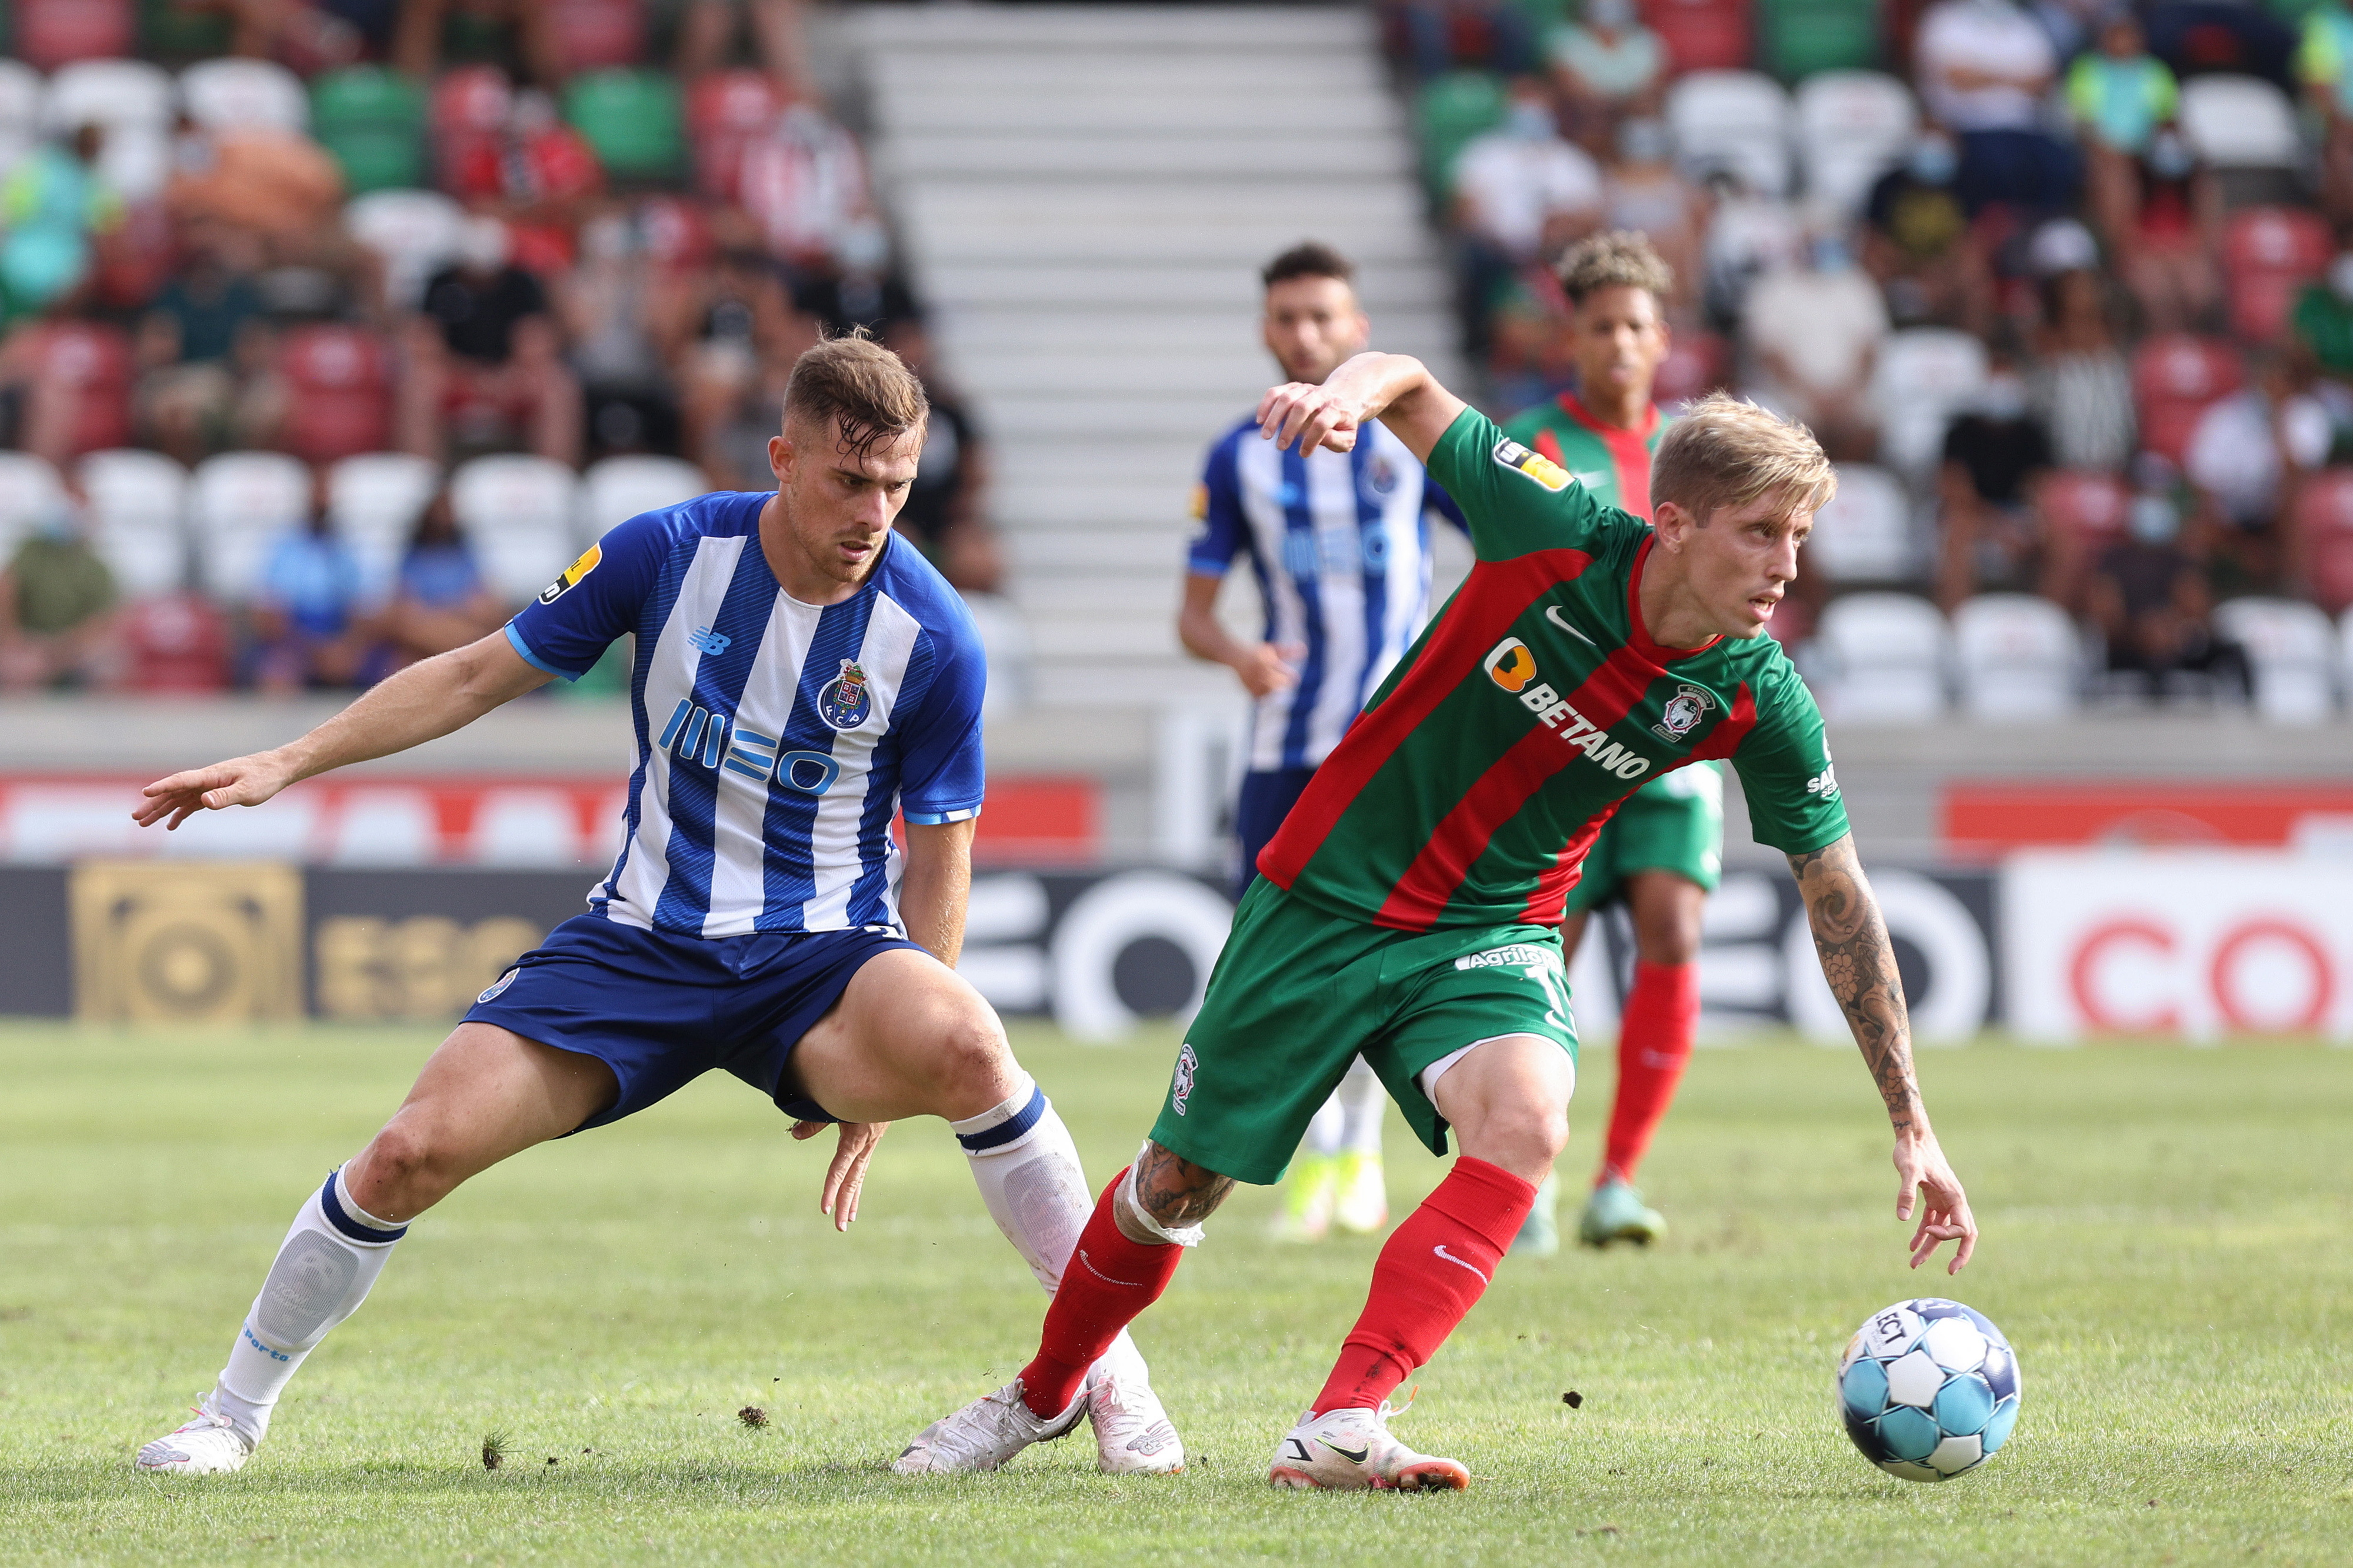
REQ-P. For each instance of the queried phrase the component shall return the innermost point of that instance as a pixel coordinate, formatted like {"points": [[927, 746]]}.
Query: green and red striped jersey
{"points": [[1611, 462], [1471, 787]]}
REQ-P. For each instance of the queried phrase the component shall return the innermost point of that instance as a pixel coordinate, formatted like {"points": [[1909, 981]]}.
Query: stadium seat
{"points": [[1732, 120], [235, 94], [2018, 656], [2324, 527], [2269, 254], [416, 232], [725, 112], [2084, 512], [2345, 648], [1698, 363], [2239, 123], [1865, 534], [1851, 127], [618, 488], [170, 31], [175, 642], [135, 102], [517, 514], [1702, 35], [20, 112], [596, 35], [29, 488], [1923, 375], [339, 382], [2174, 377], [632, 119], [373, 121], [1797, 38], [469, 107], [675, 230], [89, 364], [238, 503], [373, 501], [137, 502], [1884, 658], [1447, 111], [53, 33], [2292, 651]]}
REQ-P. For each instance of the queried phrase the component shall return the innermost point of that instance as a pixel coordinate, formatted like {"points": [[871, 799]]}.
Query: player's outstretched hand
{"points": [[1923, 1175], [1311, 416], [846, 1175], [241, 781]]}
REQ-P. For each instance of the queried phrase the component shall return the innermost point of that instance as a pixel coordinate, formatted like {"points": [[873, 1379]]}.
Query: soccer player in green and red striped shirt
{"points": [[1662, 851], [1409, 908]]}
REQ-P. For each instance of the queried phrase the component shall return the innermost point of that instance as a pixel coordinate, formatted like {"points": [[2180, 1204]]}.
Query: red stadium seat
{"points": [[596, 35], [723, 113], [2323, 523], [2084, 507], [52, 32], [134, 259], [176, 642], [1702, 35], [676, 232], [1699, 363], [469, 108], [339, 393], [2269, 254], [2174, 378], [91, 365]]}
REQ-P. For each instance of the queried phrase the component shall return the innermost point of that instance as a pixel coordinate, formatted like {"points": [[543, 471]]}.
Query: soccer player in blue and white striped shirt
{"points": [[1339, 543], [802, 676]]}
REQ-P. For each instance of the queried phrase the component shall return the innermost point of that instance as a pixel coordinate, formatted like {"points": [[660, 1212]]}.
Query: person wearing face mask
{"points": [[2247, 453], [2323, 318], [2152, 604], [1811, 336], [1916, 241], [2167, 254], [56, 604], [1606, 66], [1521, 188], [1648, 194], [1991, 537]]}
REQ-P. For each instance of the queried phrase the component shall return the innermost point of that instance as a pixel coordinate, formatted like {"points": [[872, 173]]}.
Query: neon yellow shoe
{"points": [[1309, 1192], [1362, 1205], [1616, 1212]]}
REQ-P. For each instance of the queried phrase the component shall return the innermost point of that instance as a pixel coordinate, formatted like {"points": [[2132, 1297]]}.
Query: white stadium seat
{"points": [[1865, 535], [1735, 120], [2345, 649], [2239, 123], [20, 98], [29, 488], [1923, 376], [516, 513], [1853, 127], [138, 518], [238, 503], [1884, 658], [135, 102], [618, 488], [373, 501], [416, 232], [233, 94], [2290, 652], [2018, 656]]}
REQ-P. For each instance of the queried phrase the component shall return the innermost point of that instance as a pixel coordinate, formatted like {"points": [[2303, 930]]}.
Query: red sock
{"points": [[1107, 1285], [1654, 1044], [1432, 1271]]}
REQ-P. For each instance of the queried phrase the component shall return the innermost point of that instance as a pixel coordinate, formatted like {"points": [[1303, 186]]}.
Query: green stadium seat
{"points": [[373, 121], [633, 120], [169, 32], [1449, 111], [1797, 37]]}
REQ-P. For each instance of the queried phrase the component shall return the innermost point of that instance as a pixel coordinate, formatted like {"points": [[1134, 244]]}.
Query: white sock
{"points": [[1365, 1100], [323, 1272], [1328, 1129]]}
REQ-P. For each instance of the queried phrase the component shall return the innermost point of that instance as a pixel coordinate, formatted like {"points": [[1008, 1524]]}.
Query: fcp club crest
{"points": [[1685, 710], [847, 701]]}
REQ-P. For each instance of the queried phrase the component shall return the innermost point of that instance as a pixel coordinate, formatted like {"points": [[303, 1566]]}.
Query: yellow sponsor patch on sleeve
{"points": [[1532, 465], [572, 575], [1201, 503]]}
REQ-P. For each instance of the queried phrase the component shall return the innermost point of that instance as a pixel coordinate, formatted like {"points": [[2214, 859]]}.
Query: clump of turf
{"points": [[752, 1415], [494, 1450]]}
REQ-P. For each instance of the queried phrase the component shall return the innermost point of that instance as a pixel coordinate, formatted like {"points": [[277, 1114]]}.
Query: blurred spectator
{"points": [[311, 35], [2323, 319], [1747, 236], [1440, 33], [1644, 191], [528, 39], [730, 336], [2151, 603], [611, 303], [51, 205], [56, 604], [276, 184], [1522, 190], [438, 601], [203, 351], [1991, 541], [2081, 385], [310, 621], [1811, 336], [536, 172], [1606, 66], [945, 514], [2324, 63], [707, 28], [1983, 69], [2246, 455], [1918, 243], [2167, 252], [804, 184], [484, 359], [2120, 94]]}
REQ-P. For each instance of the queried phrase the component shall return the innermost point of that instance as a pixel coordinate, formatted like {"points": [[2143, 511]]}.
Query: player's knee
{"points": [[399, 1173], [971, 1061]]}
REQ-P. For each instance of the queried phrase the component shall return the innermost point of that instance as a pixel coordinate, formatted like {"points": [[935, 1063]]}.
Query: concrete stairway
{"points": [[1084, 194]]}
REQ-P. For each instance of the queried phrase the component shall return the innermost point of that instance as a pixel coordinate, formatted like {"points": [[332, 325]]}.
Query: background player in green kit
{"points": [[1408, 909], [1664, 850]]}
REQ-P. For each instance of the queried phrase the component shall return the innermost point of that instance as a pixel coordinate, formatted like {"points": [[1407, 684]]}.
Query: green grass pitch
{"points": [[2164, 1242]]}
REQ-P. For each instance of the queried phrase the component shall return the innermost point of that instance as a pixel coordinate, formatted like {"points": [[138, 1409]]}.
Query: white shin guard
{"points": [[323, 1270], [1028, 1174]]}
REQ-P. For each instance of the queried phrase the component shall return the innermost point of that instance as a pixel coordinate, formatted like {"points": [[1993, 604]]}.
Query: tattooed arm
{"points": [[1859, 961]]}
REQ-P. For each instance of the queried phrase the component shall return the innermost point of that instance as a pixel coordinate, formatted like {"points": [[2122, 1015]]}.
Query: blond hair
{"points": [[856, 381], [1620, 258], [1726, 452]]}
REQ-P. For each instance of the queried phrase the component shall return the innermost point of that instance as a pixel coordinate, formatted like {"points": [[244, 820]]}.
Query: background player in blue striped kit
{"points": [[1339, 543], [801, 676]]}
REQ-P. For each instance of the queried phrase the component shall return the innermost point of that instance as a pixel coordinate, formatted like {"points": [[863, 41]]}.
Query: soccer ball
{"points": [[1928, 1388]]}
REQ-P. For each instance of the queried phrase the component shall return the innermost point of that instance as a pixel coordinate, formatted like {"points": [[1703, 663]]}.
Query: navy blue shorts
{"points": [[1266, 799], [661, 1010]]}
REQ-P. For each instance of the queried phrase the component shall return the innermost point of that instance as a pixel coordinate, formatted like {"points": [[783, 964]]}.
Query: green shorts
{"points": [[1298, 995], [1674, 823]]}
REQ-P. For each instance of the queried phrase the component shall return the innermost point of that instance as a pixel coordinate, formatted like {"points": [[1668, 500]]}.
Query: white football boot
{"points": [[1133, 1433], [1352, 1450], [1362, 1205], [207, 1446], [985, 1435]]}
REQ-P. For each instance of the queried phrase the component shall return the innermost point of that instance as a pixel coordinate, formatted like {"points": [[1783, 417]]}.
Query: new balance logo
{"points": [[709, 642], [1458, 1263]]}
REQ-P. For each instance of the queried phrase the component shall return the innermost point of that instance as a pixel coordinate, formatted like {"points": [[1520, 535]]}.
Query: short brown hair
{"points": [[858, 382], [1620, 258], [1726, 452], [1308, 258]]}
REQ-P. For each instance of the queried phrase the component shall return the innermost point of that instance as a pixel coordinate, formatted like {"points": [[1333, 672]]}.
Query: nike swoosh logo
{"points": [[1354, 1457], [1552, 613], [1459, 1263], [1131, 1284]]}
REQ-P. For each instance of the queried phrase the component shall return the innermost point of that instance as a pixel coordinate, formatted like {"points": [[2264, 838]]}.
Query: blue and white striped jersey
{"points": [[1340, 541], [774, 739]]}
